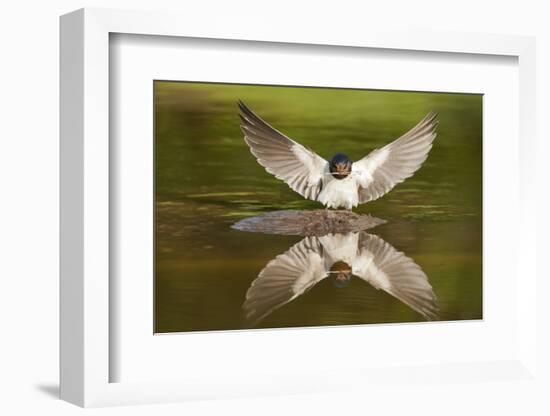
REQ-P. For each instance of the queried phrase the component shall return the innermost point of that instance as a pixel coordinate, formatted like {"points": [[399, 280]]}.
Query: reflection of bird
{"points": [[338, 182], [313, 259]]}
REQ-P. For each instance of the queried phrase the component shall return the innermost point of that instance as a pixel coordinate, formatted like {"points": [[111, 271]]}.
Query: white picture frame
{"points": [[85, 211]]}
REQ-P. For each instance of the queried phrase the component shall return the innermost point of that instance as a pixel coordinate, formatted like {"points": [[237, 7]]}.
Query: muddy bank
{"points": [[308, 223]]}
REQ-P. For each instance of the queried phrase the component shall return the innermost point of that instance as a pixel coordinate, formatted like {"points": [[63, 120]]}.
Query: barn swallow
{"points": [[339, 182]]}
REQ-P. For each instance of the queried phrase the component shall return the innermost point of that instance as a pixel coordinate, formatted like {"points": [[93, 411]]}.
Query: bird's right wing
{"points": [[301, 168], [286, 277], [382, 266]]}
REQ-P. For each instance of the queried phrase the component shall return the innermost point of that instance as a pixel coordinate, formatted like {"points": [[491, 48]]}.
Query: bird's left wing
{"points": [[383, 168], [301, 168], [382, 266], [285, 278]]}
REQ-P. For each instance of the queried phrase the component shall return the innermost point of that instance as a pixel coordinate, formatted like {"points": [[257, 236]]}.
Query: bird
{"points": [[340, 256], [339, 182]]}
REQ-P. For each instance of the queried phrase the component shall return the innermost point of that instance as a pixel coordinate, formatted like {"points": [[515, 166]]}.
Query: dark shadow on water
{"points": [[51, 390]]}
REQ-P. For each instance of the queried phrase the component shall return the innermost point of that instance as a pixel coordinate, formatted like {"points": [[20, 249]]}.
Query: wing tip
{"points": [[431, 118], [244, 109]]}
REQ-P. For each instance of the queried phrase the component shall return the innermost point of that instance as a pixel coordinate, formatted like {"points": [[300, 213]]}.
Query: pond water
{"points": [[207, 180]]}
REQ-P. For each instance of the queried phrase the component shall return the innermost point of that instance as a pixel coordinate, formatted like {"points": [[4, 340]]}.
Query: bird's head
{"points": [[341, 274], [340, 166]]}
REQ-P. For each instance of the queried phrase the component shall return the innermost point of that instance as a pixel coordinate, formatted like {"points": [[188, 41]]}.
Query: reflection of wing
{"points": [[285, 278], [384, 168], [385, 268], [301, 168]]}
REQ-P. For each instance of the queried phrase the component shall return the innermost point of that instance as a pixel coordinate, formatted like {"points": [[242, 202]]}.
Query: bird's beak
{"points": [[342, 169], [343, 275]]}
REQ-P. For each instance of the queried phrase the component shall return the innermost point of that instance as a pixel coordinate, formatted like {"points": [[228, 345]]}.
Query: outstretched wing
{"points": [[384, 168], [301, 168], [285, 278], [381, 265]]}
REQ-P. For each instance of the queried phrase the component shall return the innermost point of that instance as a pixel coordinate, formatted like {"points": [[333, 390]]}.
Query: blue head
{"points": [[340, 166]]}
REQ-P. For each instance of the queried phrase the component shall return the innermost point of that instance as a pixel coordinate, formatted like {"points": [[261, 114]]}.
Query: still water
{"points": [[207, 180]]}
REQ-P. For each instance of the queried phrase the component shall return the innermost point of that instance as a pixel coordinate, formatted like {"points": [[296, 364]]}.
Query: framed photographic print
{"points": [[312, 266], [231, 202]]}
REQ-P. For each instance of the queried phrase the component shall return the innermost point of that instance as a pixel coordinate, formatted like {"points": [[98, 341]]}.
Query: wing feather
{"points": [[284, 278], [382, 266], [384, 168], [301, 168]]}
